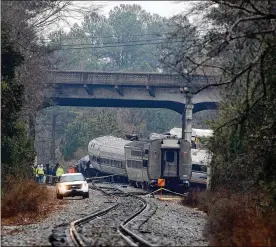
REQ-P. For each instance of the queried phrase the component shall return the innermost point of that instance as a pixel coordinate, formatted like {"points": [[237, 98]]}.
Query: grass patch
{"points": [[25, 201], [236, 219]]}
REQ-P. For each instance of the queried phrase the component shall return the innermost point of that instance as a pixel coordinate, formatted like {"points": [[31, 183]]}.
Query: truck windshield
{"points": [[72, 178]]}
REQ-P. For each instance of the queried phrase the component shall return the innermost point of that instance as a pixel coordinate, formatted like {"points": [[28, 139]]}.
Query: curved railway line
{"points": [[130, 238]]}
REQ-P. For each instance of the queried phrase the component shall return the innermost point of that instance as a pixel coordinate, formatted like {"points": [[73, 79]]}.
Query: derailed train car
{"points": [[161, 158], [200, 164], [143, 161], [106, 155]]}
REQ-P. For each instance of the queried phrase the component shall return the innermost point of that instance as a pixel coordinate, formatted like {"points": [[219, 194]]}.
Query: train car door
{"points": [[170, 162]]}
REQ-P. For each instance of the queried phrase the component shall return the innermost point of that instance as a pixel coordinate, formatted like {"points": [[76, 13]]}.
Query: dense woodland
{"points": [[235, 41]]}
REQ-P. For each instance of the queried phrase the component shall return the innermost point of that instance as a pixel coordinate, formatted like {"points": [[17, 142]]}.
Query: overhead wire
{"points": [[133, 35], [121, 45], [123, 42]]}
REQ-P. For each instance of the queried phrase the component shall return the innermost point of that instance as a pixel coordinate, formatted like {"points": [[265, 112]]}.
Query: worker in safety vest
{"points": [[40, 173], [59, 171]]}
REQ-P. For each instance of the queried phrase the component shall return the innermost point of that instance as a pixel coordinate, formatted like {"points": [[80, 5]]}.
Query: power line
{"points": [[124, 42], [112, 36], [134, 35], [109, 46]]}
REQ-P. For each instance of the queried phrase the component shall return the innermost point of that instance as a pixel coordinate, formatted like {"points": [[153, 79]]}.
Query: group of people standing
{"points": [[45, 174]]}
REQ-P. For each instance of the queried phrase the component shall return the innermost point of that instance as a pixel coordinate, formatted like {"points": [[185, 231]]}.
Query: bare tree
{"points": [[239, 49], [25, 22]]}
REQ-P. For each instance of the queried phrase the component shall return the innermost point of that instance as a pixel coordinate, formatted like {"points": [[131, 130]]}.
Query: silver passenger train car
{"points": [[143, 161], [106, 155]]}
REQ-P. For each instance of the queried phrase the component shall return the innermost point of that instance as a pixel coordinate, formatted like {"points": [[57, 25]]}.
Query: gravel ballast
{"points": [[38, 234], [169, 223], [166, 223]]}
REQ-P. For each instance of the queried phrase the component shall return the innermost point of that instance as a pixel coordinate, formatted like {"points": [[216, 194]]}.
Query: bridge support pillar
{"points": [[187, 117]]}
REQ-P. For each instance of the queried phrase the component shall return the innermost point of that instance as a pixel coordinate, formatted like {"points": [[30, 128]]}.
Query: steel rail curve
{"points": [[73, 232], [130, 237]]}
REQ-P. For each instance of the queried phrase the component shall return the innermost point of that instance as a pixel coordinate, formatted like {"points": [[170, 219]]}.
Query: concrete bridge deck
{"points": [[119, 89]]}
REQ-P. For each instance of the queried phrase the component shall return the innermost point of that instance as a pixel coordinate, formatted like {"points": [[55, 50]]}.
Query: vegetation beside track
{"points": [[26, 202], [236, 218]]}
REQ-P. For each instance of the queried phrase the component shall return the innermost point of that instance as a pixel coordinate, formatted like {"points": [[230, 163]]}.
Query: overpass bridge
{"points": [[134, 90]]}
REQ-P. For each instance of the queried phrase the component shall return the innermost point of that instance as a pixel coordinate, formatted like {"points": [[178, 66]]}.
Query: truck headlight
{"points": [[62, 188], [85, 185]]}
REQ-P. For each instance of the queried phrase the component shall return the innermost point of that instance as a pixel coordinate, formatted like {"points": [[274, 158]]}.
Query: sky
{"points": [[162, 8]]}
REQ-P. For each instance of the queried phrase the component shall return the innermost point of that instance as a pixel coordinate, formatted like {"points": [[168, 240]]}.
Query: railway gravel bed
{"points": [[38, 234], [171, 224], [163, 223], [168, 223], [102, 231]]}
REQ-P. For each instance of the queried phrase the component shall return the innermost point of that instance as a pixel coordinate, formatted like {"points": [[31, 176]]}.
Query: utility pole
{"points": [[187, 116]]}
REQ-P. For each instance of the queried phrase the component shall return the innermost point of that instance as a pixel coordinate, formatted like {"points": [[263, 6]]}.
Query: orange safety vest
{"points": [[72, 170]]}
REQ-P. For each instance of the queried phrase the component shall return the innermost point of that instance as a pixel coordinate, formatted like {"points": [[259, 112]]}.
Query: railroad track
{"points": [[124, 232]]}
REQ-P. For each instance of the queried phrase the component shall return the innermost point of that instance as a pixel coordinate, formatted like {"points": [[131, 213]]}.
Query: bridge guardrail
{"points": [[118, 78]]}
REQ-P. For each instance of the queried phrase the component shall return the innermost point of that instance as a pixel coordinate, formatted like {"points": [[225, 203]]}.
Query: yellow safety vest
{"points": [[40, 171], [59, 172]]}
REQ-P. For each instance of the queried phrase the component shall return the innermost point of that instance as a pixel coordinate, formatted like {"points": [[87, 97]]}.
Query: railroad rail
{"points": [[130, 237]]}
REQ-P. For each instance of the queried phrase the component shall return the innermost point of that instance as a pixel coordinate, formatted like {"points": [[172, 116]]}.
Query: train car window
{"points": [[145, 163], [136, 153], [170, 156], [196, 167], [204, 168], [117, 163], [199, 168], [128, 163]]}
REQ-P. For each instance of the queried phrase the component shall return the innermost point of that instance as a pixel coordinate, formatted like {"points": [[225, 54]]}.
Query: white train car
{"points": [[107, 155], [196, 135], [201, 158], [200, 167]]}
